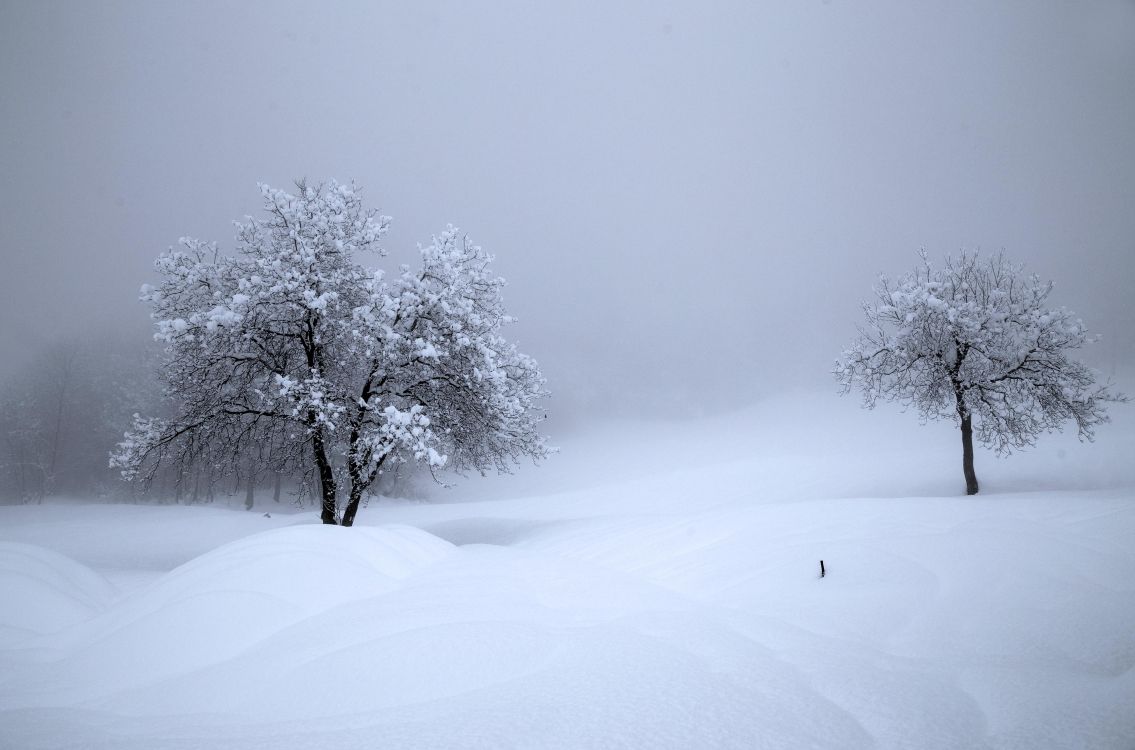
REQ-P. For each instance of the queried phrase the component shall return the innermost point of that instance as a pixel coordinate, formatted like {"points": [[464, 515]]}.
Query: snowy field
{"points": [[652, 586]]}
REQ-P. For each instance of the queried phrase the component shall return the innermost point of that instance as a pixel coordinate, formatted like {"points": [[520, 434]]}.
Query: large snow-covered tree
{"points": [[343, 370], [975, 342]]}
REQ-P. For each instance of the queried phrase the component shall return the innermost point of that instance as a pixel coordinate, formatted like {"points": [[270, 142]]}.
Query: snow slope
{"points": [[653, 586]]}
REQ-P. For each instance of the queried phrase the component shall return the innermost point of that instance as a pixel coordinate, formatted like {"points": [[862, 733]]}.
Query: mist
{"points": [[692, 539], [689, 202]]}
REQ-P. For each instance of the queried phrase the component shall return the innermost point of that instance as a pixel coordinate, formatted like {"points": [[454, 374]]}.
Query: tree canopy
{"points": [[292, 343]]}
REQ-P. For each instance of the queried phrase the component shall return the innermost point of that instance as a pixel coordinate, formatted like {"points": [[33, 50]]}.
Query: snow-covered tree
{"points": [[975, 342], [292, 343]]}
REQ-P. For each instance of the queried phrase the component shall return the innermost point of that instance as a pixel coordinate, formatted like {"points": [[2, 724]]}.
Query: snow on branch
{"points": [[293, 341], [976, 340]]}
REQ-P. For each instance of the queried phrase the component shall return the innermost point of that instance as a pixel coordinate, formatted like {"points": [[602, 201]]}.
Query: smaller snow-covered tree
{"points": [[293, 344], [975, 342]]}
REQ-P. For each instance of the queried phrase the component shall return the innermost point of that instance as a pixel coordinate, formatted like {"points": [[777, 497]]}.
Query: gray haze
{"points": [[688, 197]]}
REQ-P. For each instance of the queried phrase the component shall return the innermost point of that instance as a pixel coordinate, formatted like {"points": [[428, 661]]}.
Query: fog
{"points": [[689, 200]]}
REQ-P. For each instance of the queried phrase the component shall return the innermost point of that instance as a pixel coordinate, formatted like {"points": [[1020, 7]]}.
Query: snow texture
{"points": [[667, 597]]}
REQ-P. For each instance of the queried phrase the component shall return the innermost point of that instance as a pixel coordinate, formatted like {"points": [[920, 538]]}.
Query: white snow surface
{"points": [[651, 586]]}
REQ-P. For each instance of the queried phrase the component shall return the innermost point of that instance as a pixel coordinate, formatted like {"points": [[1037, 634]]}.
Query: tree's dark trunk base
{"points": [[351, 510], [327, 512], [327, 487], [967, 456]]}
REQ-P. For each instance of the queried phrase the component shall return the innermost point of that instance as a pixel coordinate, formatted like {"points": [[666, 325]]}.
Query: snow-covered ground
{"points": [[652, 586]]}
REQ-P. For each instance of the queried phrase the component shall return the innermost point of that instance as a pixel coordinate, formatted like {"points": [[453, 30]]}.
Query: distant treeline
{"points": [[63, 412]]}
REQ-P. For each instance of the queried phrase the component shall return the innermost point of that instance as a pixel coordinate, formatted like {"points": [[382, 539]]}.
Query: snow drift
{"points": [[648, 603]]}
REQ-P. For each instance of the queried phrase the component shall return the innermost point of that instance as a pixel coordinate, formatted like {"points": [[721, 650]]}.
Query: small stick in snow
{"points": [[822, 571]]}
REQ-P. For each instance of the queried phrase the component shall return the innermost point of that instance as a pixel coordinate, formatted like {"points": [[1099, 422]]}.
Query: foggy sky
{"points": [[688, 197]]}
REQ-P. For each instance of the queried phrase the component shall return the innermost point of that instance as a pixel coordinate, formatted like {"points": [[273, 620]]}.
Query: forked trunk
{"points": [[359, 484], [967, 455]]}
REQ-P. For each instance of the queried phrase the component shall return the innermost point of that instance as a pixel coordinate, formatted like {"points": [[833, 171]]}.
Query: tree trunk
{"points": [[359, 485], [352, 506], [967, 455], [55, 439], [249, 491], [276, 487], [326, 478]]}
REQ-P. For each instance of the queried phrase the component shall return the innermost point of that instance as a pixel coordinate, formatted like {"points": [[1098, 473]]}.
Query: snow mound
{"points": [[677, 608], [224, 602], [45, 592], [518, 649]]}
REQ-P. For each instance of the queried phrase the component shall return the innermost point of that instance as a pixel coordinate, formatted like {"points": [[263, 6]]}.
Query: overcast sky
{"points": [[688, 197]]}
